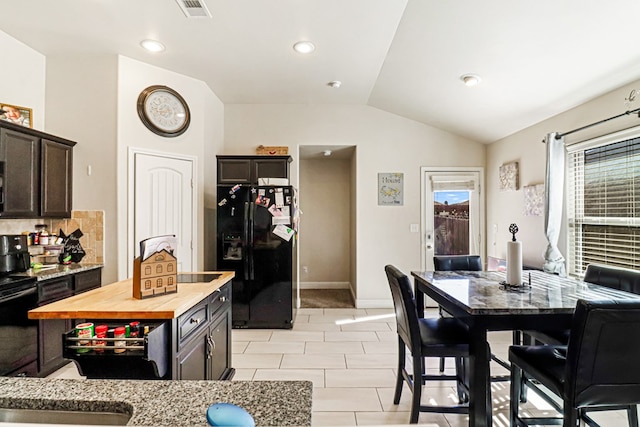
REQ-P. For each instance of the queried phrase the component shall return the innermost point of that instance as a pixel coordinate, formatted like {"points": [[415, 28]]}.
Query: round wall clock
{"points": [[163, 111]]}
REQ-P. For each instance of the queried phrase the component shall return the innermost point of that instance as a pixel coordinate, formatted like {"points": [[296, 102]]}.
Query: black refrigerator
{"points": [[256, 239]]}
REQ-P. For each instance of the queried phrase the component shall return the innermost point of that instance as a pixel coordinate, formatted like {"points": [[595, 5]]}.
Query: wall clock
{"points": [[163, 111]]}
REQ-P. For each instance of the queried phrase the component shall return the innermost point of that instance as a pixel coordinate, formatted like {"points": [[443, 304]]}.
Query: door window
{"points": [[452, 208]]}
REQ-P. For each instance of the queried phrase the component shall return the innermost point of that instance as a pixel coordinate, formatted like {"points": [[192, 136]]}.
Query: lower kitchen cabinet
{"points": [[50, 332], [206, 354], [50, 344], [193, 360], [195, 345]]}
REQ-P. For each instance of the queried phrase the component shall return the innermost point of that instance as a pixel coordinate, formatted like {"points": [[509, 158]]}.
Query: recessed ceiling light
{"points": [[326, 153], [152, 45], [335, 84], [304, 47], [470, 79]]}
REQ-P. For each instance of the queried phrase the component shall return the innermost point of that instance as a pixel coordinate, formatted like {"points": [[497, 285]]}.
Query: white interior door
{"points": [[164, 202], [453, 219]]}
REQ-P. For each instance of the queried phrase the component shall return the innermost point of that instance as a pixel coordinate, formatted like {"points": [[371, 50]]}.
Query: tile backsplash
{"points": [[91, 223]]}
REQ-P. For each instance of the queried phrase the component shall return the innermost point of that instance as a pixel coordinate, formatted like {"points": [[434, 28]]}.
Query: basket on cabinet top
{"points": [[272, 151]]}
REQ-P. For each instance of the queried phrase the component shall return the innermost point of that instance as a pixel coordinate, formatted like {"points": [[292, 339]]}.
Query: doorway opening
{"points": [[327, 228], [452, 213]]}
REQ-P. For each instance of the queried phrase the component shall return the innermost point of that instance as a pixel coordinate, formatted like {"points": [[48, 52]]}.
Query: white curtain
{"points": [[554, 262]]}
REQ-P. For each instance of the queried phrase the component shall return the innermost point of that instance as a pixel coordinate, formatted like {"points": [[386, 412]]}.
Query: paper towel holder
{"points": [[513, 229]]}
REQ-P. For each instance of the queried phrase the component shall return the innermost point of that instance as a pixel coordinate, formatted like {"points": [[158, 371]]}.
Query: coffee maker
{"points": [[14, 254]]}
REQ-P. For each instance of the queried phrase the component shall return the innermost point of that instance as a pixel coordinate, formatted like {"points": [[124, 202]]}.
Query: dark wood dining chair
{"points": [[426, 337], [455, 263], [623, 279], [604, 275], [598, 369]]}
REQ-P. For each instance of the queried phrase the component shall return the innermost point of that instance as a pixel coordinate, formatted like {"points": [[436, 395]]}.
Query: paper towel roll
{"points": [[514, 263]]}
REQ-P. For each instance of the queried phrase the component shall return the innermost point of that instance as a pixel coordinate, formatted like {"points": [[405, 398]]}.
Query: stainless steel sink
{"points": [[44, 416]]}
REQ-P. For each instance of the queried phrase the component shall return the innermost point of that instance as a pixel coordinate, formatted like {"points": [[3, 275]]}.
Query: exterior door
{"points": [[453, 220], [164, 202]]}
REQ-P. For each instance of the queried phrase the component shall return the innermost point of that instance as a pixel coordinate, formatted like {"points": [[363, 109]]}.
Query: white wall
{"points": [[205, 130], [526, 147], [81, 99], [23, 77], [384, 143], [92, 100]]}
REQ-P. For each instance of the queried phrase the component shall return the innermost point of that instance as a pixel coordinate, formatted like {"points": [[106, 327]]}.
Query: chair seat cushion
{"points": [[546, 363], [551, 336], [444, 336]]}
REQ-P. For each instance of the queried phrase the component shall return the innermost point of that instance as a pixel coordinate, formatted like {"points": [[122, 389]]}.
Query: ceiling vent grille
{"points": [[194, 8]]}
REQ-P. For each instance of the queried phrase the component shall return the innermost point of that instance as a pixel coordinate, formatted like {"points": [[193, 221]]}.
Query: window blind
{"points": [[604, 204]]}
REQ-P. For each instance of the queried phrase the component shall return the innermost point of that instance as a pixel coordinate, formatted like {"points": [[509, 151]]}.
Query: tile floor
{"points": [[350, 356]]}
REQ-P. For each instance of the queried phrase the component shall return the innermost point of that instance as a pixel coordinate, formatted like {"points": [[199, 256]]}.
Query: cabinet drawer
{"points": [[192, 321], [219, 298], [87, 280], [54, 289]]}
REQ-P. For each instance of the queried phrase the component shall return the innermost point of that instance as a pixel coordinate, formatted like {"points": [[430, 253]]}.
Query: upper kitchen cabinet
{"points": [[56, 171], [247, 169], [35, 173]]}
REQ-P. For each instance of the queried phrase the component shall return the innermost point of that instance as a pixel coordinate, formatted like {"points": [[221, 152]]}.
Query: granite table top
{"points": [[163, 403], [484, 292]]}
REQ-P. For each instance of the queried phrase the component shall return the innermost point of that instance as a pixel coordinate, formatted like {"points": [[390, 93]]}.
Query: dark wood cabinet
{"points": [[205, 339], [220, 346], [56, 171], [193, 360], [87, 280], [247, 169], [35, 173], [50, 344], [19, 166], [50, 331]]}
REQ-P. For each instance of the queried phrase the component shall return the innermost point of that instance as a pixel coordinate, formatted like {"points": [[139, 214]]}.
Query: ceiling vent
{"points": [[194, 8]]}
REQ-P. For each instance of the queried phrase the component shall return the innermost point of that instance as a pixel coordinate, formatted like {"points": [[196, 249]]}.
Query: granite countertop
{"points": [[58, 270], [484, 293], [164, 403]]}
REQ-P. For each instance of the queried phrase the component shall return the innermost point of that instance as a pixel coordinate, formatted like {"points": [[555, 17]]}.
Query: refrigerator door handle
{"points": [[252, 208], [245, 241]]}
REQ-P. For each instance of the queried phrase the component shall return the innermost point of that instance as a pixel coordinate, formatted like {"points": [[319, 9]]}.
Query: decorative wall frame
{"points": [[22, 116], [390, 190], [509, 177], [533, 199]]}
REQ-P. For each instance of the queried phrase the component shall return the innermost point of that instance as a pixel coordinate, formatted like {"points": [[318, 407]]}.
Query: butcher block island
{"points": [[183, 335]]}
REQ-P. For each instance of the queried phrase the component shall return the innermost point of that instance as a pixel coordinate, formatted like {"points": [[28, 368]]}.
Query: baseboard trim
{"points": [[325, 285], [374, 303]]}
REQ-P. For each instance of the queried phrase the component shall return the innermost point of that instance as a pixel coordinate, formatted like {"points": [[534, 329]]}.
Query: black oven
{"points": [[18, 334]]}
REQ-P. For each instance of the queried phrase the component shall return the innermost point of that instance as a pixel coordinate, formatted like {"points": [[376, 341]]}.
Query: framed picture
{"points": [[390, 190], [22, 116]]}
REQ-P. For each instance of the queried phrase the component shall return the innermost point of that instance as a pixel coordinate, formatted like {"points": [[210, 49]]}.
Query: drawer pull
{"points": [[195, 320], [223, 298]]}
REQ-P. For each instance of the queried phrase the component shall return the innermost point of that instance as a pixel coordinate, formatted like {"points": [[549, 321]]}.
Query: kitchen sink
{"points": [[78, 418]]}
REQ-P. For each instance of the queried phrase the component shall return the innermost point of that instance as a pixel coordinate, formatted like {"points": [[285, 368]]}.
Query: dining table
{"points": [[483, 301]]}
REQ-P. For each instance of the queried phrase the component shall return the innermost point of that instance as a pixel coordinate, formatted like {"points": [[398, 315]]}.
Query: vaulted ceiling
{"points": [[535, 58]]}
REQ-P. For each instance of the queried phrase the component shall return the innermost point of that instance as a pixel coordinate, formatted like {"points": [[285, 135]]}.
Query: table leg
{"points": [[479, 380], [419, 300]]}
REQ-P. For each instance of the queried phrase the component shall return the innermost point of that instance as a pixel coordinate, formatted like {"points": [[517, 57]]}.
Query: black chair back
{"points": [[620, 278], [405, 307], [457, 262], [603, 354]]}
